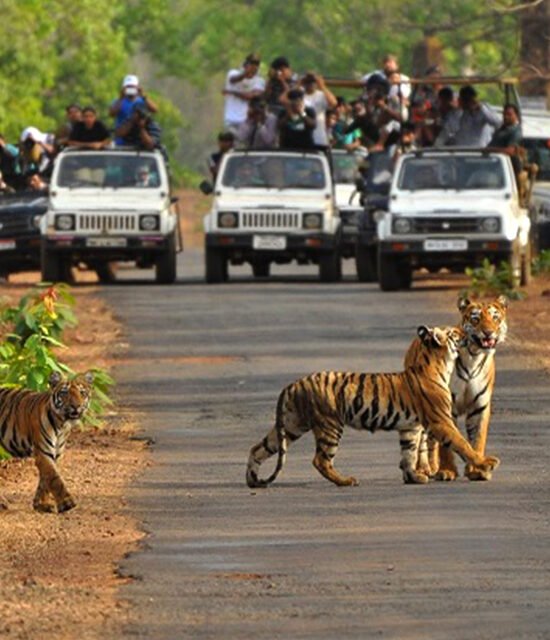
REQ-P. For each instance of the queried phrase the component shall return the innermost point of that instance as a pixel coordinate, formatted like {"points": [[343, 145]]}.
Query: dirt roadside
{"points": [[58, 574]]}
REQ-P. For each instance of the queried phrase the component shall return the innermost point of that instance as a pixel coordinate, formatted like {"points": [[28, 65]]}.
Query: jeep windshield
{"points": [[97, 170], [451, 172], [271, 171]]}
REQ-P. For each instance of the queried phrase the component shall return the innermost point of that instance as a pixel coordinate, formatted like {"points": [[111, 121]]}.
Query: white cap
{"points": [[130, 81], [35, 134]]}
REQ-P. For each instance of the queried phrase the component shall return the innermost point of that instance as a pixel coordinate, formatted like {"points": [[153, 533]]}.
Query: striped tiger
{"points": [[37, 424], [472, 384], [326, 402]]}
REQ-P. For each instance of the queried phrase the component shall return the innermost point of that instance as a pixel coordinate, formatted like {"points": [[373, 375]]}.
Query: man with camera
{"points": [[131, 97], [319, 97], [297, 123], [140, 131], [259, 130], [89, 133], [241, 86]]}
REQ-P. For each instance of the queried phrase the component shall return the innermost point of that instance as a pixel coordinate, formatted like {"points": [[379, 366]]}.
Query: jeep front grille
{"points": [[106, 223], [271, 219], [445, 225]]}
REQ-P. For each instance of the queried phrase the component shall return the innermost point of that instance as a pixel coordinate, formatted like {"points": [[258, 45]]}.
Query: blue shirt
{"points": [[126, 109]]}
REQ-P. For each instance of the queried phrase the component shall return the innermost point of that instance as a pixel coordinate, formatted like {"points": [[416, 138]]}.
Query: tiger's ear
{"points": [[54, 379], [89, 377], [425, 334], [463, 303], [503, 301]]}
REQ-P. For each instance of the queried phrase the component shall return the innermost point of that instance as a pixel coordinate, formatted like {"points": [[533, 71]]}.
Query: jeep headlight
{"points": [[312, 220], [228, 219], [402, 225], [490, 225], [149, 222], [65, 222]]}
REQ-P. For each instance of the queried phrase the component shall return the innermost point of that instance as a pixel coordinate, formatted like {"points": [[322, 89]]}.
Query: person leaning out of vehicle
{"points": [[90, 133]]}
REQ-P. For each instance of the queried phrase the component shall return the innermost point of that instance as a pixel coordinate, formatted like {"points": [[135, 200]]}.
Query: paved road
{"points": [[306, 559]]}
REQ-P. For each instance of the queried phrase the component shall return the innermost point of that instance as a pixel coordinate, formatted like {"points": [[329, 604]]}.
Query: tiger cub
{"points": [[38, 423], [472, 384], [326, 402]]}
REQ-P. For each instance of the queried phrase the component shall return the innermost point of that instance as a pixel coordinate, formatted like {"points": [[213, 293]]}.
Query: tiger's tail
{"points": [[265, 449]]}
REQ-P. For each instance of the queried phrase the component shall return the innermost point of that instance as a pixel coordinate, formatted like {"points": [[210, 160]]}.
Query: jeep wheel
{"points": [[216, 266], [261, 269], [50, 264], [165, 267], [365, 263], [393, 273], [330, 267]]}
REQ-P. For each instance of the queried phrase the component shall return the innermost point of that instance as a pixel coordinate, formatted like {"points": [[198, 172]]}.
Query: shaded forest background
{"points": [[53, 52]]}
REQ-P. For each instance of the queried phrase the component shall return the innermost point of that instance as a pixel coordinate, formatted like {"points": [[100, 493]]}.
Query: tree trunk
{"points": [[535, 52]]}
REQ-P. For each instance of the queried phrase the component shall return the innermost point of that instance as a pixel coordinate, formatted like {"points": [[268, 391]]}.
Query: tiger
{"points": [[34, 423], [326, 402], [472, 383]]}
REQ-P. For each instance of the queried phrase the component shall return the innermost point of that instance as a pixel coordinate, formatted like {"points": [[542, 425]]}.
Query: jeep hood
{"points": [[108, 200], [448, 202], [273, 198]]}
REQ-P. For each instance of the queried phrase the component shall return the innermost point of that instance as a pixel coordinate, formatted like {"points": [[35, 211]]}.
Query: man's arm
{"points": [[330, 97]]}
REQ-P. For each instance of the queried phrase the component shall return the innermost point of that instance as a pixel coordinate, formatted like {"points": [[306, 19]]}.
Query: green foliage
{"points": [[541, 264], [490, 280], [32, 336]]}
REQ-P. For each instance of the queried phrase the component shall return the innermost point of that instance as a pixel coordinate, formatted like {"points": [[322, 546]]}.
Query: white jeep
{"points": [[109, 206], [272, 206], [452, 208]]}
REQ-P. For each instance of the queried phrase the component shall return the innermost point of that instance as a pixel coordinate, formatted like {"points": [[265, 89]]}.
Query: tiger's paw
{"points": [[484, 470], [425, 470], [415, 477], [446, 475], [66, 504], [349, 482], [44, 506]]}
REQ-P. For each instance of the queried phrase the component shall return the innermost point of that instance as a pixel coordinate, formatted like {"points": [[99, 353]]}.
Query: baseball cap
{"points": [[35, 134], [130, 81]]}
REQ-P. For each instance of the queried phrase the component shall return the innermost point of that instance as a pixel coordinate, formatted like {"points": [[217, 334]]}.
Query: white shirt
{"points": [[236, 108], [318, 101]]}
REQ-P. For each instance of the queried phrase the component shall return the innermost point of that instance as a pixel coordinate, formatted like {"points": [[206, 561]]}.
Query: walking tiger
{"points": [[326, 402], [37, 424]]}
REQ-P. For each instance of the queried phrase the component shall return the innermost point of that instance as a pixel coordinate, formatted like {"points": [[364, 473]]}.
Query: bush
{"points": [[490, 280], [541, 263], [32, 334]]}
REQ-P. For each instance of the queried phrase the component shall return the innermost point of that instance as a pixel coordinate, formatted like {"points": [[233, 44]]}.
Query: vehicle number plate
{"points": [[106, 242], [6, 245], [445, 245], [270, 243]]}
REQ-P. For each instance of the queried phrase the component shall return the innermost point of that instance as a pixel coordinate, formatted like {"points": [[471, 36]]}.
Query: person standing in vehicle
{"points": [[131, 97], [297, 123], [260, 129], [280, 81], [241, 86], [226, 141], [91, 133], [474, 122], [319, 97]]}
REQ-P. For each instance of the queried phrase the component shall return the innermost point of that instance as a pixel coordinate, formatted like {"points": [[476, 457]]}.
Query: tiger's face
{"points": [[71, 398], [442, 341], [484, 322]]}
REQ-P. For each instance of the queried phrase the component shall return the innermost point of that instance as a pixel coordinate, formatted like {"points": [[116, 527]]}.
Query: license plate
{"points": [[445, 245], [270, 243], [106, 242], [6, 245]]}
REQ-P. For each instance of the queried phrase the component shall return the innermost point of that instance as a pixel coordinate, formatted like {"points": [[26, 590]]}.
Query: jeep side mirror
{"points": [[206, 187], [174, 199]]}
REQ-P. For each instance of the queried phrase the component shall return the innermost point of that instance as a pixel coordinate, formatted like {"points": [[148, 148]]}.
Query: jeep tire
{"points": [[366, 264], [52, 266], [330, 267], [394, 273], [215, 265], [165, 266]]}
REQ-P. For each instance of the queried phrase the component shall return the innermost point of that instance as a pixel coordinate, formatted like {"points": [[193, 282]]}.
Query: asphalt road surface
{"points": [[304, 558]]}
